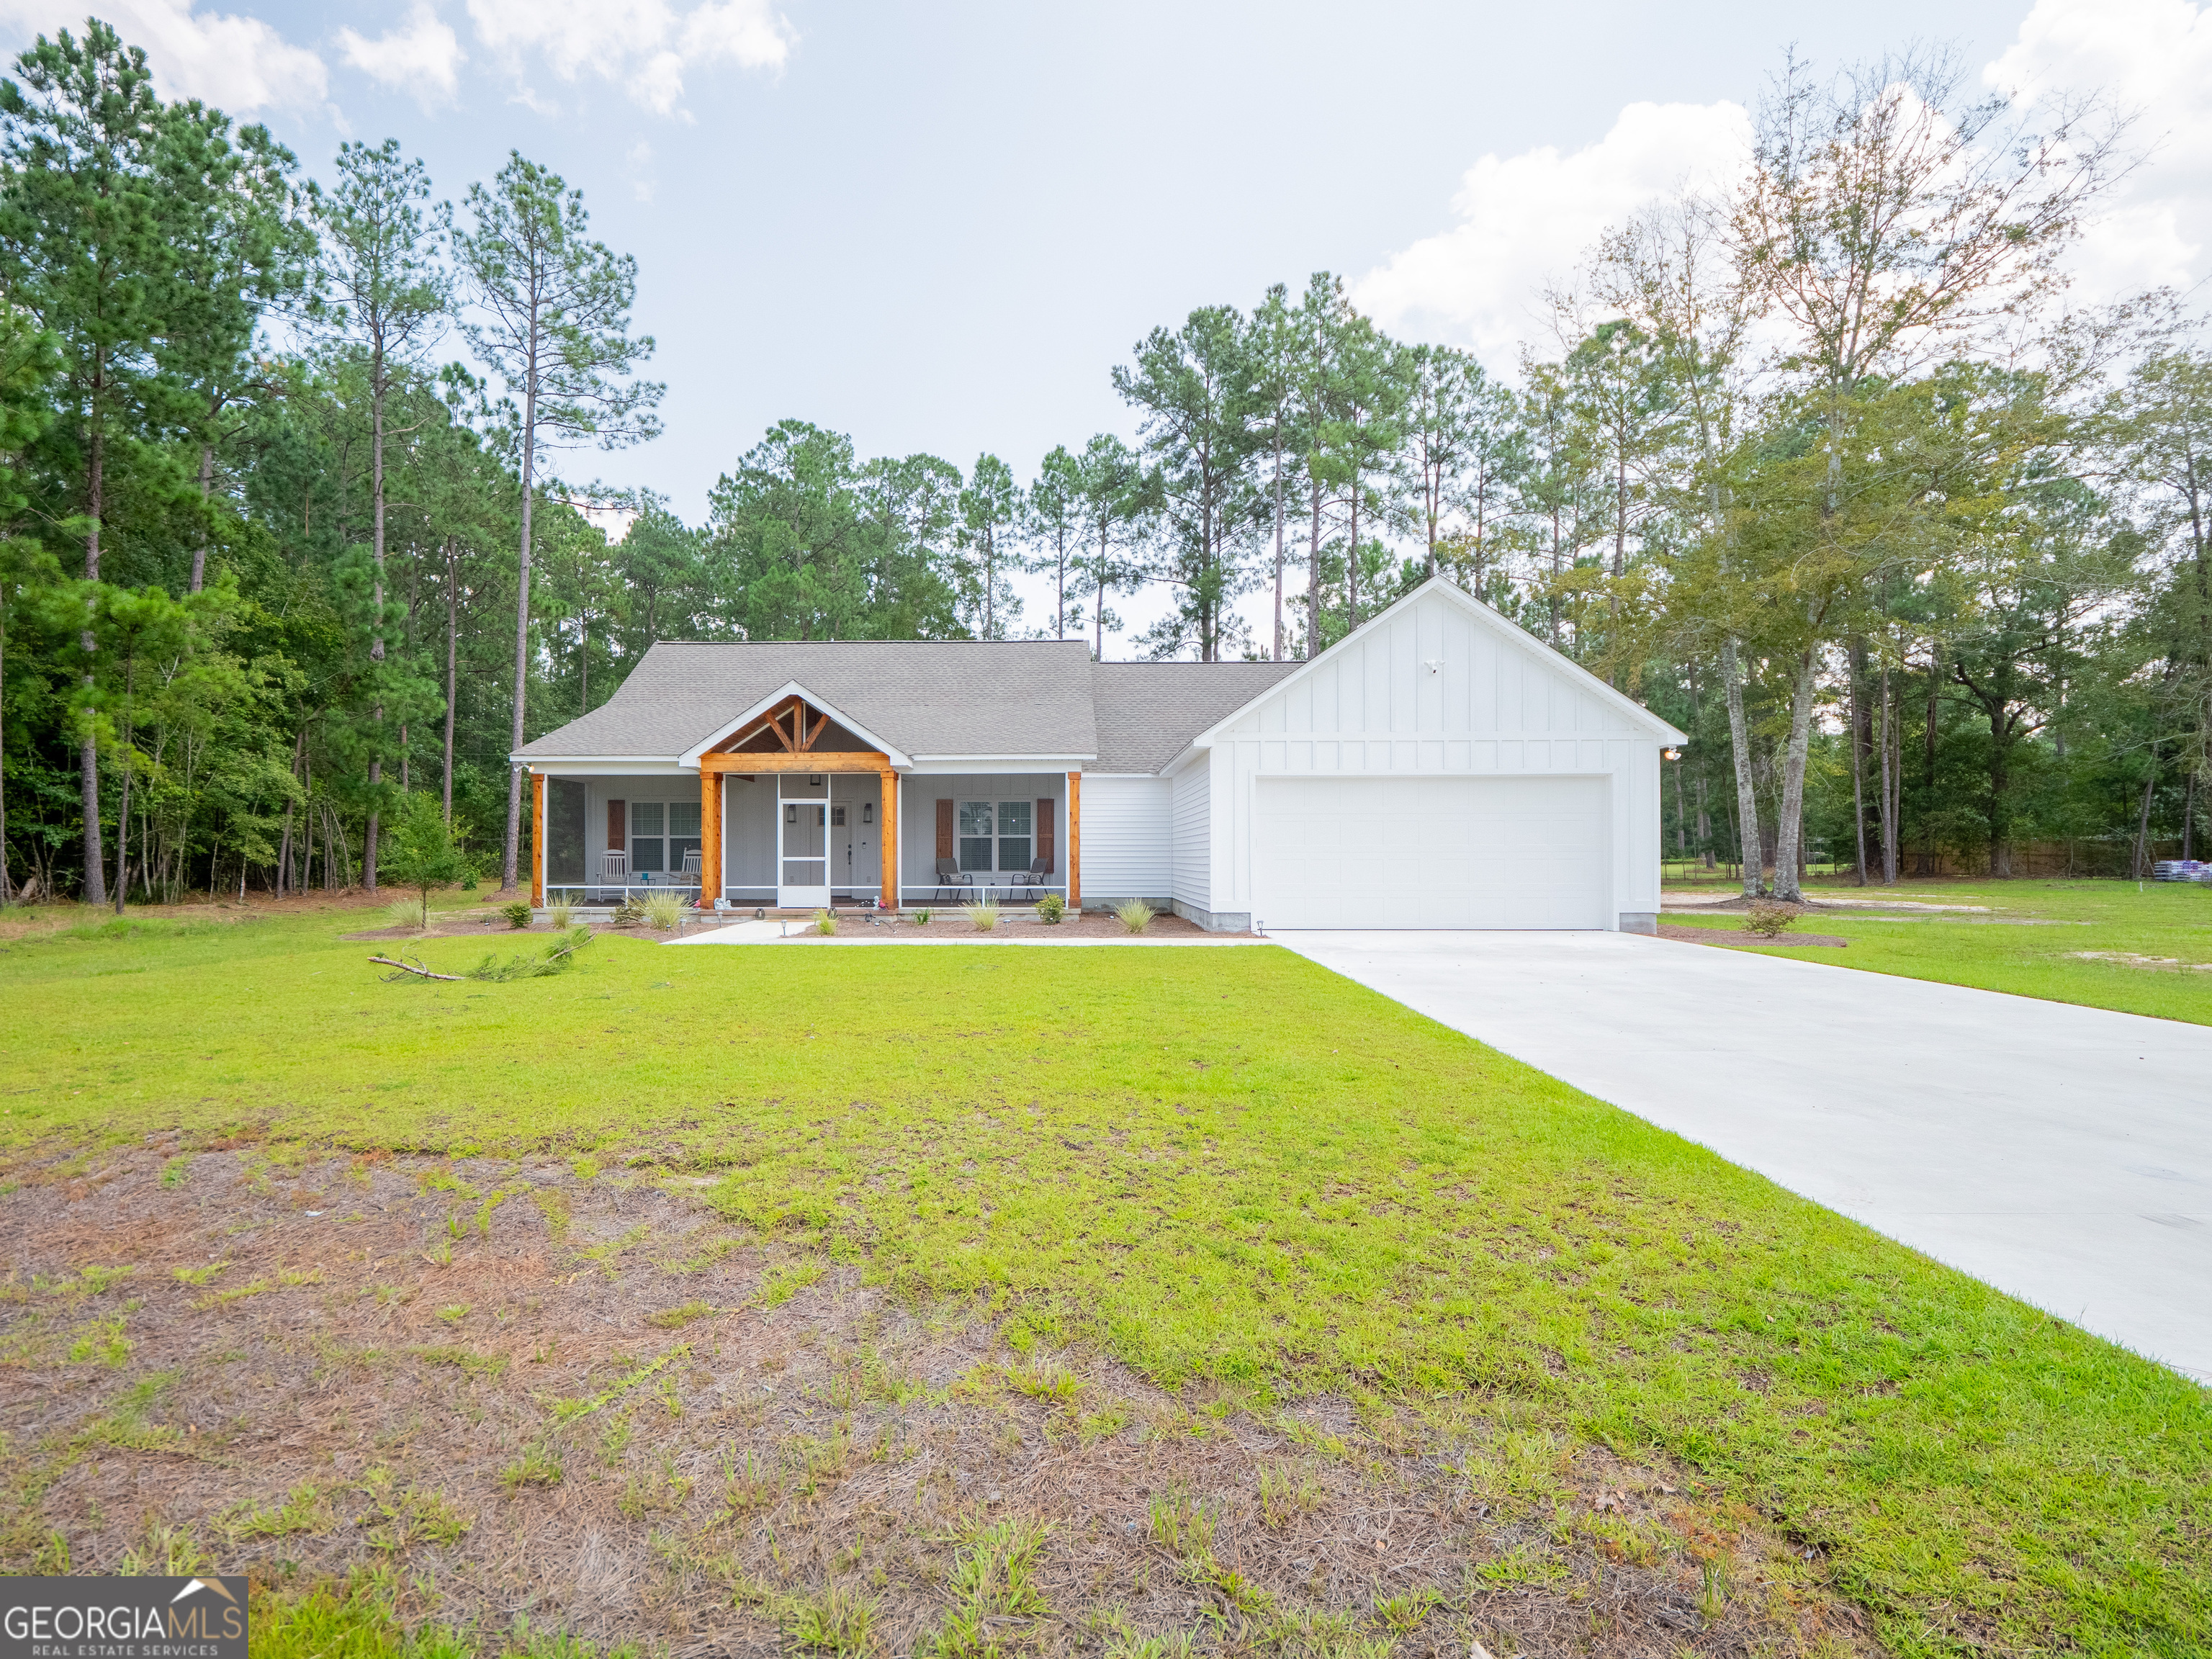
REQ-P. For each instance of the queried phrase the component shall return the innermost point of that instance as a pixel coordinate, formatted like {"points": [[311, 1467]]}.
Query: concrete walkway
{"points": [[2062, 1154]]}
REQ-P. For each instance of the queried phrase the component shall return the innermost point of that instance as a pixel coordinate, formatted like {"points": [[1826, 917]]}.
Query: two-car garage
{"points": [[1452, 851], [1438, 767]]}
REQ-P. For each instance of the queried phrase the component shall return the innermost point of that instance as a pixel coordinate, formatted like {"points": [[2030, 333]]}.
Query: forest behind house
{"points": [[1830, 468]]}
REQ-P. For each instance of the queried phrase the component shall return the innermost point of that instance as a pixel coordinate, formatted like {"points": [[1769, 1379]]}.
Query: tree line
{"points": [[1823, 465]]}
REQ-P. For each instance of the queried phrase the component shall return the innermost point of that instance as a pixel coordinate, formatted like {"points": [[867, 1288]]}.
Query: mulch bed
{"points": [[1737, 936], [947, 925], [703, 1429], [947, 922]]}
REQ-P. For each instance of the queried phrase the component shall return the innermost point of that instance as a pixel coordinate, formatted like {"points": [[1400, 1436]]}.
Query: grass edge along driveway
{"points": [[2101, 943], [1224, 1166]]}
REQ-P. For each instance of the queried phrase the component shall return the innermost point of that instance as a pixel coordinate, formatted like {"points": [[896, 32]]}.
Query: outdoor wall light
{"points": [[867, 812], [815, 782], [1670, 754]]}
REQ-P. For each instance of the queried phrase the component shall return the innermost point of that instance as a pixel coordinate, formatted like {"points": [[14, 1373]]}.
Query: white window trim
{"points": [[994, 802]]}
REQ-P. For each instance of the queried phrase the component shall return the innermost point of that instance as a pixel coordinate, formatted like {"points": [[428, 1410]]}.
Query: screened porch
{"points": [[611, 839]]}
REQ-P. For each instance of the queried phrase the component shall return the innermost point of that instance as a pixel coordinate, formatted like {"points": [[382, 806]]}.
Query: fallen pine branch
{"points": [[412, 968], [557, 956]]}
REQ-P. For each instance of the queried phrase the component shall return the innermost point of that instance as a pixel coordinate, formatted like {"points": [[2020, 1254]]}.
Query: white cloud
{"points": [[646, 46], [1526, 219], [239, 64], [422, 56], [747, 32], [2154, 57]]}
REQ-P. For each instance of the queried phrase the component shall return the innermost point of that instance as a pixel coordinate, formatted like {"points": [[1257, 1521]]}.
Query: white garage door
{"points": [[1430, 851]]}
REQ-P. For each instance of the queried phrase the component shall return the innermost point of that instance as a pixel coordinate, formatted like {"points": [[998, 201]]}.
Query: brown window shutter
{"points": [[1044, 830], [944, 828], [617, 836]]}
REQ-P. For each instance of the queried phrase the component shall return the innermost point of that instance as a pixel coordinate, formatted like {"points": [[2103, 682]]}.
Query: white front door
{"points": [[803, 877], [1431, 851]]}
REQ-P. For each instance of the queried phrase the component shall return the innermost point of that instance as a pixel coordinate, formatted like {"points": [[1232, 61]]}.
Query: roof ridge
{"points": [[1080, 644]]}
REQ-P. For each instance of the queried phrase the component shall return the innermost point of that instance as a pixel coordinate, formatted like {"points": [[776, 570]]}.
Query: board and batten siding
{"points": [[1434, 689], [1129, 839]]}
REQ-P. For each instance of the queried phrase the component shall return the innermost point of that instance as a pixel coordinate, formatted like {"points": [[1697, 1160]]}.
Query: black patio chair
{"points": [[1040, 867], [949, 875]]}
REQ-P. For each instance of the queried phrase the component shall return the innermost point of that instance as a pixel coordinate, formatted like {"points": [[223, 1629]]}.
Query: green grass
{"points": [[1226, 1166], [2007, 948], [359, 1620]]}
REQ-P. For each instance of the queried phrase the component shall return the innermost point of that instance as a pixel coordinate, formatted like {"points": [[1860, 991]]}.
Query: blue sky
{"points": [[937, 227]]}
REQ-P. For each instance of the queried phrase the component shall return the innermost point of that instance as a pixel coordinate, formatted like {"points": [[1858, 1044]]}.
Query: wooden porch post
{"points": [[887, 838], [1075, 840], [710, 838], [538, 840]]}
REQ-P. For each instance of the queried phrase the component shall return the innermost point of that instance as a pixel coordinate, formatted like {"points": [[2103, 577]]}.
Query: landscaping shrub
{"points": [[1135, 914], [985, 915], [404, 912], [517, 913], [922, 917], [662, 911], [1050, 908], [1770, 920], [825, 922], [560, 912]]}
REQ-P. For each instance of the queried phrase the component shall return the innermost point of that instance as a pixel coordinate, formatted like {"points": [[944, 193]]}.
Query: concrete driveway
{"points": [[2061, 1154]]}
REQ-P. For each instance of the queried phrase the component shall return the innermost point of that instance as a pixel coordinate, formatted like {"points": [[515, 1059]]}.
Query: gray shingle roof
{"points": [[957, 697], [954, 697], [1148, 711]]}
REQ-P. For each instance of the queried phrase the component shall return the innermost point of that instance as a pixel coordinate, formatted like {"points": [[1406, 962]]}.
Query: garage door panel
{"points": [[1489, 852]]}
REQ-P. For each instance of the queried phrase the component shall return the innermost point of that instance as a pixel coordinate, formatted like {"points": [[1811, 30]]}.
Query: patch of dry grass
{"points": [[435, 1428]]}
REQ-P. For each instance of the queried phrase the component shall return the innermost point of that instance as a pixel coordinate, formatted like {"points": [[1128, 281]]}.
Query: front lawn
{"points": [[1224, 1175], [2103, 944]]}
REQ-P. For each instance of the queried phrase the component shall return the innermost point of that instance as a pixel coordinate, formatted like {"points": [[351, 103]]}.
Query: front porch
{"points": [[796, 810]]}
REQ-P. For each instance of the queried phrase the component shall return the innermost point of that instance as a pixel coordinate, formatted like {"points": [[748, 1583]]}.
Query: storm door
{"points": [[802, 812]]}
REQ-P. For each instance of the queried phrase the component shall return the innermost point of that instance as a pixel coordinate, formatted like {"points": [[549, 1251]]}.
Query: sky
{"points": [[938, 228]]}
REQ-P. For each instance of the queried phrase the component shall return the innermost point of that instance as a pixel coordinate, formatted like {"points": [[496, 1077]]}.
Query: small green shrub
{"points": [[922, 917], [825, 922], [1050, 908], [1135, 914], [560, 913], [984, 915], [1770, 920], [404, 912], [662, 911], [517, 913]]}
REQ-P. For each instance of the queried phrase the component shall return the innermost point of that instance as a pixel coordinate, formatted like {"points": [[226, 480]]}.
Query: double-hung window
{"points": [[1014, 835], [975, 848], [682, 831], [648, 846], [995, 835]]}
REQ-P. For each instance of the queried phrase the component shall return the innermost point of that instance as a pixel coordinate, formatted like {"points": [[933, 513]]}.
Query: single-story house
{"points": [[1438, 767]]}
